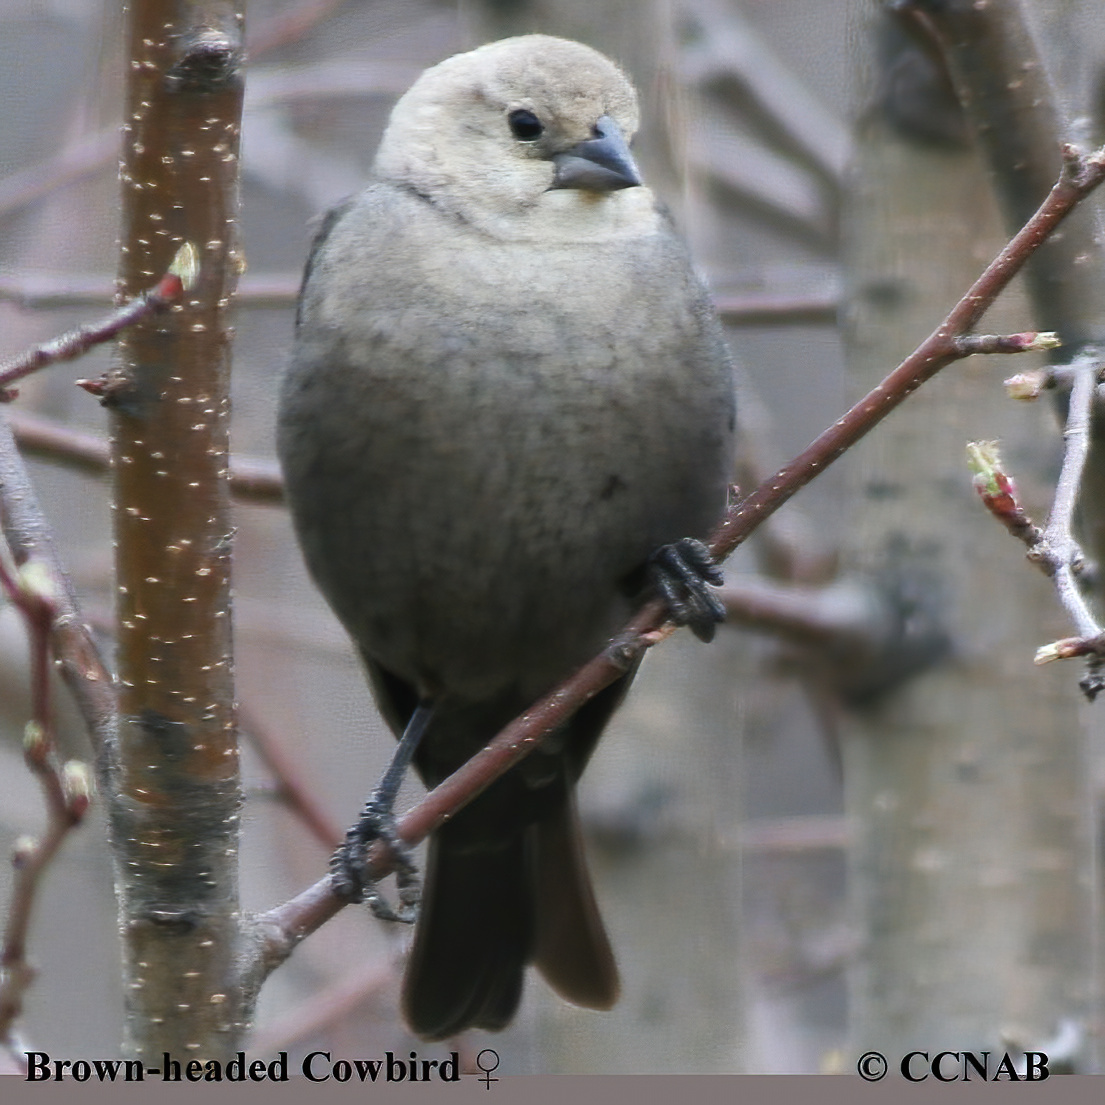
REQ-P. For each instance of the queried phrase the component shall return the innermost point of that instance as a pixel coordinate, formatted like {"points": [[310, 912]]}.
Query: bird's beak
{"points": [[600, 164]]}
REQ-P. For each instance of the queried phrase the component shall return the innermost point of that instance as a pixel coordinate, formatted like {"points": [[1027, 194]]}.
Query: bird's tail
{"points": [[472, 939], [571, 948], [489, 908]]}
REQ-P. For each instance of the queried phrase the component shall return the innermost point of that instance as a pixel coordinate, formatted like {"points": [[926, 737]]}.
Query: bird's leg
{"points": [[682, 573], [349, 864]]}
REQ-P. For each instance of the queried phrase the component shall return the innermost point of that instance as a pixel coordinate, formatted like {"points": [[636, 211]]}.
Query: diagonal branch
{"points": [[279, 930], [1080, 176]]}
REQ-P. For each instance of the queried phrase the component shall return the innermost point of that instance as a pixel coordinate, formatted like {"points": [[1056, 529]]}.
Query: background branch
{"points": [[66, 790], [251, 480], [81, 664], [1003, 85]]}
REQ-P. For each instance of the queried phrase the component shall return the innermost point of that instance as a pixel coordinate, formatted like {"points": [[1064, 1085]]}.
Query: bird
{"points": [[508, 419]]}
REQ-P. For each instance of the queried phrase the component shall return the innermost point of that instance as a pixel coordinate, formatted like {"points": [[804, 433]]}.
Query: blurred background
{"points": [[803, 850]]}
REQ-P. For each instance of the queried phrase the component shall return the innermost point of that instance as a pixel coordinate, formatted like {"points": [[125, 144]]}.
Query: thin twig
{"points": [[76, 343], [823, 617], [1059, 548], [34, 292], [1054, 549], [283, 927], [74, 648], [778, 310], [1030, 341], [1058, 553], [66, 789]]}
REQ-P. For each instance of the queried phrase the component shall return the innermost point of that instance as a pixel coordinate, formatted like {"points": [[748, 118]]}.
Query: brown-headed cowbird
{"points": [[508, 391]]}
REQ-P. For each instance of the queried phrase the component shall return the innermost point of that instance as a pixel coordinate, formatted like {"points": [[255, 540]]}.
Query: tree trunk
{"points": [[175, 796]]}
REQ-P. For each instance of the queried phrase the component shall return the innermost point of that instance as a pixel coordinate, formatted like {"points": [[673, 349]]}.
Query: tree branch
{"points": [[175, 795], [280, 929], [67, 789], [1055, 549], [252, 480], [38, 292], [76, 343], [28, 534], [778, 310], [1080, 176], [288, 787]]}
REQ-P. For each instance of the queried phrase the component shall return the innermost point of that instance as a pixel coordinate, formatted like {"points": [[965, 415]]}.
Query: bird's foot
{"points": [[682, 573], [350, 874]]}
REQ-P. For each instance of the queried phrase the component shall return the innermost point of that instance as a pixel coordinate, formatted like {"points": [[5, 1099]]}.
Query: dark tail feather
{"points": [[488, 910], [473, 938], [571, 948]]}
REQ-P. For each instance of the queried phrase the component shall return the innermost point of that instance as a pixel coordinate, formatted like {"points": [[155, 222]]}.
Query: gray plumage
{"points": [[506, 393]]}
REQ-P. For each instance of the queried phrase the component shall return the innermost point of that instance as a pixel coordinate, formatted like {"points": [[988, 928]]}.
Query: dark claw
{"points": [[682, 573], [349, 872]]}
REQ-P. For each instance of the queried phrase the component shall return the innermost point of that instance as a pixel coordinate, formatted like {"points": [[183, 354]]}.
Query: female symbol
{"points": [[488, 1065]]}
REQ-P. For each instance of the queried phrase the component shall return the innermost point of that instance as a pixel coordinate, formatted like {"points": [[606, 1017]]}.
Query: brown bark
{"points": [[174, 810]]}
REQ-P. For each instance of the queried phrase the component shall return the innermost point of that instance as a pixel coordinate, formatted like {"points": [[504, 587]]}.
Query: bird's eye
{"points": [[524, 125]]}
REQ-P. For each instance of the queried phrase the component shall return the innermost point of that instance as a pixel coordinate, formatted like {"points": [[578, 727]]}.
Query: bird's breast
{"points": [[514, 432]]}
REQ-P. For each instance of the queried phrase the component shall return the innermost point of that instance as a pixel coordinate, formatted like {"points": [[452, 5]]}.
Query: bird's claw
{"points": [[349, 869], [682, 573]]}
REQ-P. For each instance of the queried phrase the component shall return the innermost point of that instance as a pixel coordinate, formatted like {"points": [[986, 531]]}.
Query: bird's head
{"points": [[526, 137]]}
